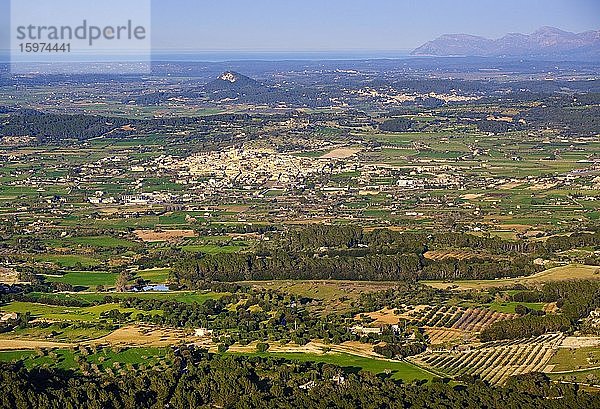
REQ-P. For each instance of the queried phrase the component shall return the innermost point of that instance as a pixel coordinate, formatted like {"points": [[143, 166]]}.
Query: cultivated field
{"points": [[163, 235], [494, 361], [8, 276], [458, 318], [443, 335]]}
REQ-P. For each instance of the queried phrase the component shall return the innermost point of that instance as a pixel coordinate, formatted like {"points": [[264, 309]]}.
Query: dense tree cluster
{"points": [[525, 327], [400, 350], [569, 120], [281, 265], [317, 236], [198, 379], [349, 253], [58, 127], [397, 125], [576, 300], [404, 294], [575, 240]]}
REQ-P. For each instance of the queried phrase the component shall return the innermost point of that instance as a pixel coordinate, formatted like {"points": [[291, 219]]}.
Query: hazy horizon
{"points": [[343, 26]]}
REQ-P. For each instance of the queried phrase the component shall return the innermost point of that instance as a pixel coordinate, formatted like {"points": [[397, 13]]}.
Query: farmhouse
{"points": [[360, 330]]}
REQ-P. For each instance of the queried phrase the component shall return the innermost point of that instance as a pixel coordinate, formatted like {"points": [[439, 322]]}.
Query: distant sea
{"points": [[220, 56], [97, 63]]}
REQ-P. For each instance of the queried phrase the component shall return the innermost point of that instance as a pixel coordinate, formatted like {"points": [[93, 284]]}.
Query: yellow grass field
{"points": [[314, 347], [341, 153], [128, 336], [21, 344], [337, 294], [165, 235], [145, 336], [385, 316]]}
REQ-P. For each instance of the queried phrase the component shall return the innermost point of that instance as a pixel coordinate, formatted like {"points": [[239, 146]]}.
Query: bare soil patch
{"points": [[164, 235], [341, 153], [516, 227], [580, 342], [385, 316], [543, 186], [313, 347], [471, 196], [8, 276], [510, 185]]}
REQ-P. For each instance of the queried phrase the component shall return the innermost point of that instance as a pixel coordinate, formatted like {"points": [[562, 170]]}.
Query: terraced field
{"points": [[496, 361], [441, 335], [458, 318]]}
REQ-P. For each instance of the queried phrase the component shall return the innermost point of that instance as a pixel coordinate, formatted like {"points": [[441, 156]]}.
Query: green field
{"points": [[60, 313], [57, 333], [567, 359], [61, 358], [157, 275], [591, 376], [107, 357], [85, 278], [68, 261], [509, 307], [102, 241], [181, 296], [398, 370], [135, 356], [104, 358]]}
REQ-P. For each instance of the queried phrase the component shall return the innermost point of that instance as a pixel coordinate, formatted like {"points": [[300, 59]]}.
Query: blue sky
{"points": [[332, 25]]}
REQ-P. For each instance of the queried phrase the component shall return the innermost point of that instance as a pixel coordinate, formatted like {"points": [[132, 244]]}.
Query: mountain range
{"points": [[547, 42]]}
